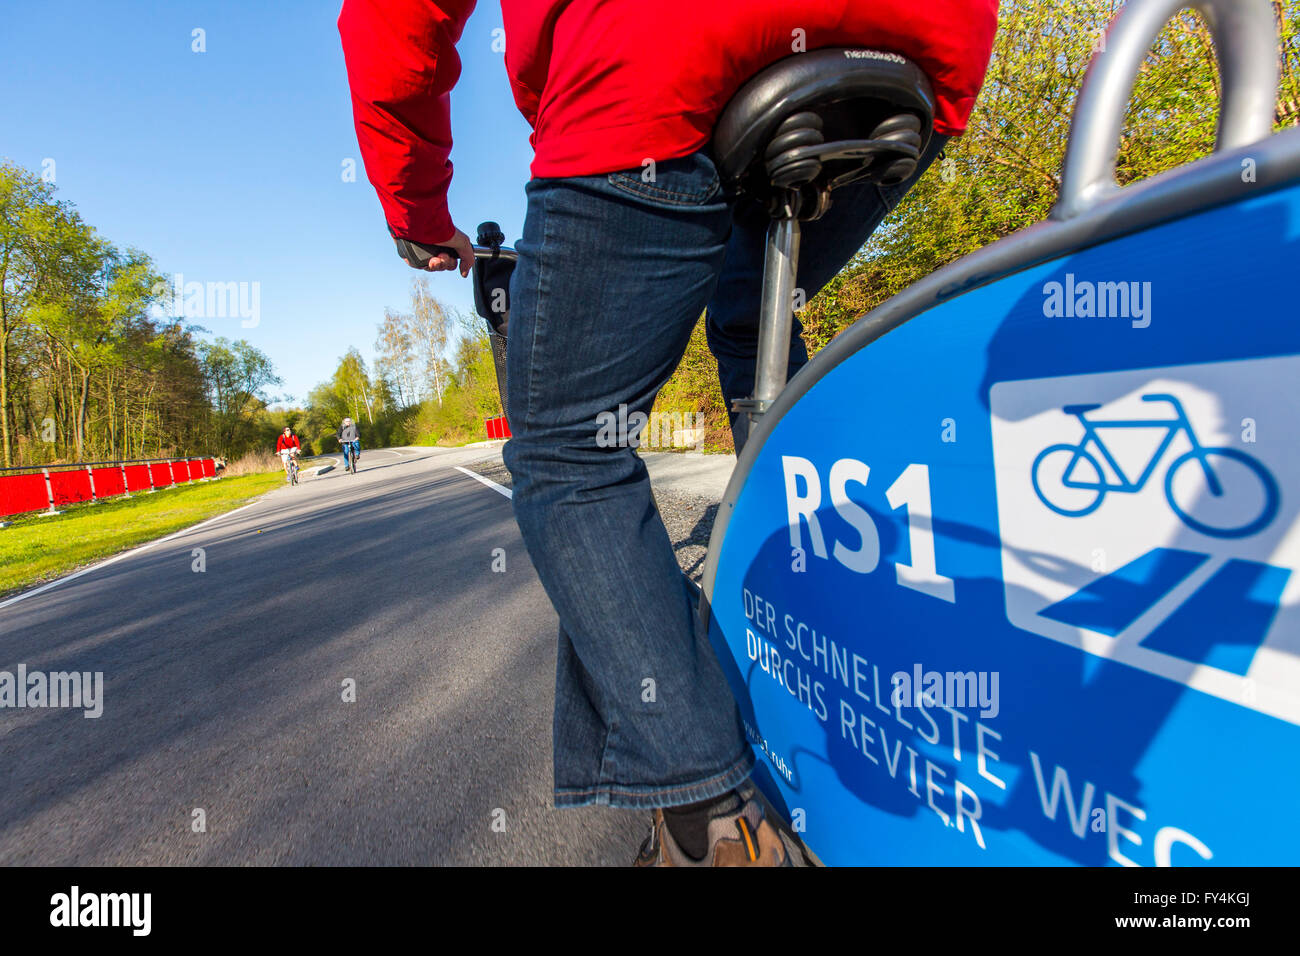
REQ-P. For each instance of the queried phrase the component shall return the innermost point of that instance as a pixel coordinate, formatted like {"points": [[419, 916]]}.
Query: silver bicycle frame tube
{"points": [[1245, 43], [775, 315]]}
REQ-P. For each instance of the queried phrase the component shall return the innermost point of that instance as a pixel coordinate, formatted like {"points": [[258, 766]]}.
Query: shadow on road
{"points": [[224, 691]]}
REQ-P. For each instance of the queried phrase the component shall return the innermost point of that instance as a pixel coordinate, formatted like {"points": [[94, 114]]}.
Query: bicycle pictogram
{"points": [[1065, 466]]}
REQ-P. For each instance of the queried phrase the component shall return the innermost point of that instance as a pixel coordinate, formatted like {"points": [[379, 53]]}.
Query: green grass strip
{"points": [[35, 549]]}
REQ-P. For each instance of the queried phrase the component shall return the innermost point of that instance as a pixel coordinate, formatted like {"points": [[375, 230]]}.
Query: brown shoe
{"points": [[740, 838]]}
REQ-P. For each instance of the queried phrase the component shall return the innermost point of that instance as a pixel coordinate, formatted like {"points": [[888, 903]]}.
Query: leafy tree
{"points": [[237, 375], [86, 371]]}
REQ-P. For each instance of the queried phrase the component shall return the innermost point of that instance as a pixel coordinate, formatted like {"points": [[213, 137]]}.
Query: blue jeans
{"points": [[350, 448], [613, 274]]}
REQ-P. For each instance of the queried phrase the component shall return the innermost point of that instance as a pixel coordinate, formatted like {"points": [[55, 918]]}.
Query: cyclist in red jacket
{"points": [[287, 446], [615, 267]]}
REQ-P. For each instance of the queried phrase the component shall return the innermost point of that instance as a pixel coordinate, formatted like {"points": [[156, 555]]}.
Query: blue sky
{"points": [[226, 166]]}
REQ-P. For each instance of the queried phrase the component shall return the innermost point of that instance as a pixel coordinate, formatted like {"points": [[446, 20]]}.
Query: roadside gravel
{"points": [[687, 508]]}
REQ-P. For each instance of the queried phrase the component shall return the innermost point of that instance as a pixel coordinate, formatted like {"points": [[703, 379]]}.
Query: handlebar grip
{"points": [[419, 255]]}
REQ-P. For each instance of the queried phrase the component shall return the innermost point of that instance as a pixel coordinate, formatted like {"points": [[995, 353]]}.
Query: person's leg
{"points": [[826, 245], [613, 274]]}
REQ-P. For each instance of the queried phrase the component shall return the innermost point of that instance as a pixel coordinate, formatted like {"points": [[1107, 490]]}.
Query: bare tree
{"points": [[430, 330], [395, 356]]}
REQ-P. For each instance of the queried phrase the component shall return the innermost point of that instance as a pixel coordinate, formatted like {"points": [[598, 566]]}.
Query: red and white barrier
{"points": [[48, 489]]}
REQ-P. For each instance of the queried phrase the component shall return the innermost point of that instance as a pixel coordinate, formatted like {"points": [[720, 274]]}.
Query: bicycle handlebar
{"points": [[420, 254], [500, 252], [1162, 397]]}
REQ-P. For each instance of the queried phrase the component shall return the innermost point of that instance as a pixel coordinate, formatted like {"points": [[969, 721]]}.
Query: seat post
{"points": [[775, 317], [794, 132]]}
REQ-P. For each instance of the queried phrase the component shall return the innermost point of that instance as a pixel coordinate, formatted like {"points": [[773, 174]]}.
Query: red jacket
{"points": [[282, 443], [606, 84]]}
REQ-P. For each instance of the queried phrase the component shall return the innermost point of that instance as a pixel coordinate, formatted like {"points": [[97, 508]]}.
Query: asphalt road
{"points": [[223, 690]]}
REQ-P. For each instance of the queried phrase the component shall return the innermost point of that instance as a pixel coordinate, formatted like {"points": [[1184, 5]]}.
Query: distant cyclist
{"points": [[349, 440], [287, 446]]}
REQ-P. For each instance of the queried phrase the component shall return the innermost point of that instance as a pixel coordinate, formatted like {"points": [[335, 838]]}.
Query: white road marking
{"points": [[500, 489]]}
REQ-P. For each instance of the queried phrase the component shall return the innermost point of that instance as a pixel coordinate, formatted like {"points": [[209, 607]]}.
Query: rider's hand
{"points": [[442, 262]]}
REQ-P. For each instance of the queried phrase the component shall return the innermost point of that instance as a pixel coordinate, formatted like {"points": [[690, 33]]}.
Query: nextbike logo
{"points": [[873, 55], [1141, 522]]}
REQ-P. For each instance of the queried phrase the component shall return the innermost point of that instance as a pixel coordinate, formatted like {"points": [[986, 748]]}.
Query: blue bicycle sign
{"points": [[1077, 481]]}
